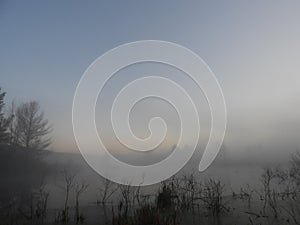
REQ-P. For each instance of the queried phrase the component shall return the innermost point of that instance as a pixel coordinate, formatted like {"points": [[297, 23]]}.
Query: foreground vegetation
{"points": [[183, 199]]}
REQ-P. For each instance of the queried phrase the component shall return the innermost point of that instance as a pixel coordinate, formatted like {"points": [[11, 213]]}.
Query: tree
{"points": [[266, 179], [213, 196], [79, 189], [107, 189], [69, 184], [31, 128], [4, 135], [295, 169], [11, 123]]}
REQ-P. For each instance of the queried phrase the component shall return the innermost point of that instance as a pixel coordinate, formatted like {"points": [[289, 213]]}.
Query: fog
{"points": [[252, 49]]}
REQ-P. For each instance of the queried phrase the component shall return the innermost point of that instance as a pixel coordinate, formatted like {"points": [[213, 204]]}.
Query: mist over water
{"points": [[251, 49]]}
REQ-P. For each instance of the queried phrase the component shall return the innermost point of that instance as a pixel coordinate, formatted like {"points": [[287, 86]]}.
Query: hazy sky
{"points": [[253, 47]]}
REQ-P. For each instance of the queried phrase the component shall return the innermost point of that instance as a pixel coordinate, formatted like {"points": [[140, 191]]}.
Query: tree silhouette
{"points": [[30, 127], [4, 135]]}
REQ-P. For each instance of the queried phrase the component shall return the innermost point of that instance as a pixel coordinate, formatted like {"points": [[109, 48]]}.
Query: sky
{"points": [[252, 47]]}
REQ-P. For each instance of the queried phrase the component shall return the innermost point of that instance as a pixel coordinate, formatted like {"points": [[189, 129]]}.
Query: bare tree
{"points": [[69, 183], [295, 168], [127, 196], [213, 196], [266, 179], [107, 189], [247, 193], [11, 126], [42, 196], [4, 135], [79, 189], [31, 128], [292, 207], [189, 185]]}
